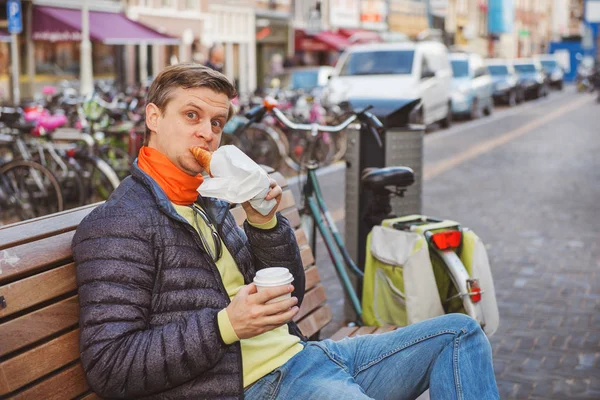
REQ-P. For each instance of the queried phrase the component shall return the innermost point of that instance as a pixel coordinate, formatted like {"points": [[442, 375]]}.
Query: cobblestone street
{"points": [[527, 180]]}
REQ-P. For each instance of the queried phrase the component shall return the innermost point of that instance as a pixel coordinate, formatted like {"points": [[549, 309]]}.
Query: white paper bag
{"points": [[237, 179]]}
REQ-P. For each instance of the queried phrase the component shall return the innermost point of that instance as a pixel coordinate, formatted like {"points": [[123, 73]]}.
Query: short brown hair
{"points": [[186, 76]]}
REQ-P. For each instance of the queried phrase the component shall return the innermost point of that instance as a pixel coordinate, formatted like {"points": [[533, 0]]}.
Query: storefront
{"points": [[56, 33], [49, 46], [272, 44], [235, 28], [324, 47]]}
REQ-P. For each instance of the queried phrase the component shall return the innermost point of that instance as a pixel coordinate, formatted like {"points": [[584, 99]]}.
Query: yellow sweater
{"points": [[261, 354]]}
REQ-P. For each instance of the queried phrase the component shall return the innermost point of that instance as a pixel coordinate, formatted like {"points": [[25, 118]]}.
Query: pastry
{"points": [[203, 157]]}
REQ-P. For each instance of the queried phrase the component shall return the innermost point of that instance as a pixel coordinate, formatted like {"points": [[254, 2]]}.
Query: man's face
{"points": [[218, 55], [193, 117]]}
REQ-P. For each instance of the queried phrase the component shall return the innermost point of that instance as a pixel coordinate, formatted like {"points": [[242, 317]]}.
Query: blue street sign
{"points": [[13, 13]]}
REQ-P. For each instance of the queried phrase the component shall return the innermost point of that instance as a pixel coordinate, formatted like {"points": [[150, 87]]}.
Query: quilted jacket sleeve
{"points": [[277, 247], [124, 357]]}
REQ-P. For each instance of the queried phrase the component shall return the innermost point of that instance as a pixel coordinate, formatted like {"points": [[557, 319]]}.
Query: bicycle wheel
{"points": [[99, 178], [324, 148], [29, 190], [117, 158], [68, 175], [262, 144]]}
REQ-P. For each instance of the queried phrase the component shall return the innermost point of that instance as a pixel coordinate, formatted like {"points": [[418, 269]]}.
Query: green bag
{"points": [[404, 283], [399, 286]]}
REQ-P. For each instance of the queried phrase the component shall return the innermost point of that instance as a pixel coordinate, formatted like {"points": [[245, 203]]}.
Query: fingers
{"points": [[282, 318], [267, 294], [274, 192], [247, 290]]}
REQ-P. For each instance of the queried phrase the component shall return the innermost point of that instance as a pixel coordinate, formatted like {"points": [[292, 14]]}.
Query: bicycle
{"points": [[28, 190], [383, 183]]}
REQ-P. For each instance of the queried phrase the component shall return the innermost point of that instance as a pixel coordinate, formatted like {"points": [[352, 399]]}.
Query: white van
{"points": [[405, 71]]}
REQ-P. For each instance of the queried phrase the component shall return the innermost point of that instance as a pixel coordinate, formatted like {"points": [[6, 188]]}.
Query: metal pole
{"points": [[429, 14], [30, 50], [86, 77], [14, 56], [143, 51]]}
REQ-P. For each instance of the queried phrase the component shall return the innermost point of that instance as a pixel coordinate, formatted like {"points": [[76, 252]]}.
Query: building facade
{"points": [[200, 24]]}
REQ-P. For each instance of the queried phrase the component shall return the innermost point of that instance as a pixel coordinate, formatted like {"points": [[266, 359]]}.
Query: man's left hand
{"points": [[256, 218]]}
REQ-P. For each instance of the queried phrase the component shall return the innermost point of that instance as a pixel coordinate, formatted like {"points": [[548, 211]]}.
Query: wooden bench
{"points": [[39, 309]]}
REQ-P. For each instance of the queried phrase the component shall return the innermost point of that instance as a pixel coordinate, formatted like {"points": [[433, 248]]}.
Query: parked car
{"points": [[404, 71], [507, 89], [532, 78], [472, 87], [552, 69], [306, 79]]}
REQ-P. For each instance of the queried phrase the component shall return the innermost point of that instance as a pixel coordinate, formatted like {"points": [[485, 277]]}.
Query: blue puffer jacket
{"points": [[150, 295]]}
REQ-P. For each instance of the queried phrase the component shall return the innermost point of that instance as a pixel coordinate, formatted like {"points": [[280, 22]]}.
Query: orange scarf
{"points": [[179, 187]]}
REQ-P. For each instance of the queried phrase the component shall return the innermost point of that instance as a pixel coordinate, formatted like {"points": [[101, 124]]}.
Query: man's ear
{"points": [[152, 115]]}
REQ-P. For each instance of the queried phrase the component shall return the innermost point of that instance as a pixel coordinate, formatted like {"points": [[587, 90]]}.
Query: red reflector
{"points": [[474, 290], [71, 153], [445, 240]]}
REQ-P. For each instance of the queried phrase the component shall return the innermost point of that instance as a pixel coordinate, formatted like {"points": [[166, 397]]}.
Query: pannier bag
{"points": [[406, 282]]}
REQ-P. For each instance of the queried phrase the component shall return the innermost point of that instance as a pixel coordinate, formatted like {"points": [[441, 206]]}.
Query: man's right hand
{"points": [[250, 316]]}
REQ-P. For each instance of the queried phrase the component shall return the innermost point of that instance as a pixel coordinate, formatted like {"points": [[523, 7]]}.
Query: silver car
{"points": [[472, 87]]}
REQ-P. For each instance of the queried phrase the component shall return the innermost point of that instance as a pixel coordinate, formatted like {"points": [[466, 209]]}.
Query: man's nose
{"points": [[204, 131]]}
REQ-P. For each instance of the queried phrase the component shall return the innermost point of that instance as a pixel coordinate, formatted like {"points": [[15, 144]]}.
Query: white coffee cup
{"points": [[273, 277]]}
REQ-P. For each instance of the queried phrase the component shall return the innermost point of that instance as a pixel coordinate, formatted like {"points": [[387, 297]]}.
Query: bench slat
{"points": [[39, 228], [314, 322], [384, 329], [364, 330], [33, 327], [26, 259], [293, 216], [28, 292], [34, 364], [312, 300], [311, 277], [344, 332], [307, 256], [301, 238], [67, 384]]}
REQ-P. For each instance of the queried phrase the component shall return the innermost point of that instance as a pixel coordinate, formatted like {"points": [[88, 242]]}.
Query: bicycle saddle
{"points": [[377, 179]]}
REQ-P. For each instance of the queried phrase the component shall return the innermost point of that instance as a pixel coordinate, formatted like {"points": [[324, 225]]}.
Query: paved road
{"points": [[527, 180]]}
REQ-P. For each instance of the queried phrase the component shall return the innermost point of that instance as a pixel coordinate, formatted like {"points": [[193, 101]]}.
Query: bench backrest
{"points": [[39, 308]]}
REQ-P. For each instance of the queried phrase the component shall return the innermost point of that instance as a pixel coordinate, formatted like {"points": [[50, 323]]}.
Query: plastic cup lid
{"points": [[273, 276]]}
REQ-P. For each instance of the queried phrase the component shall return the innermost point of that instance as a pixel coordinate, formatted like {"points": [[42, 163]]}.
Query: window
{"points": [[460, 68], [525, 68], [388, 62], [498, 70], [168, 3]]}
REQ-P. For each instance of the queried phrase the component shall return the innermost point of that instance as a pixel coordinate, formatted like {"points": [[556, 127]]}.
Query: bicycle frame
{"points": [[321, 217]]}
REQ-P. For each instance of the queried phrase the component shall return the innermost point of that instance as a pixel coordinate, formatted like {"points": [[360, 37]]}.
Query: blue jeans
{"points": [[450, 355]]}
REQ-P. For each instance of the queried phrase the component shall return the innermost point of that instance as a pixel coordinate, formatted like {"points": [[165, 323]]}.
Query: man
{"points": [[167, 307], [216, 57]]}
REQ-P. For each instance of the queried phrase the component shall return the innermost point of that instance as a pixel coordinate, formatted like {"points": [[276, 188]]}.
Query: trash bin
{"points": [[402, 146]]}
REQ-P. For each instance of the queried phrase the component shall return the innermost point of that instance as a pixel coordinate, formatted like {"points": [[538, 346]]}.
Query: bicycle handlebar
{"points": [[364, 116]]}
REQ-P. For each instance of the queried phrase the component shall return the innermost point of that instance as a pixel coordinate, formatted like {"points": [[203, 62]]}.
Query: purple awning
{"points": [[64, 24], [4, 36]]}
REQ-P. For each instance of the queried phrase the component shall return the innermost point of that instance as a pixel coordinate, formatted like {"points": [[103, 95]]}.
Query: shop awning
{"points": [[321, 41], [64, 24], [360, 36]]}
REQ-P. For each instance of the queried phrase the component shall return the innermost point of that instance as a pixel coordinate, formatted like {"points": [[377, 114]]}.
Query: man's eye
{"points": [[191, 115], [217, 123]]}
